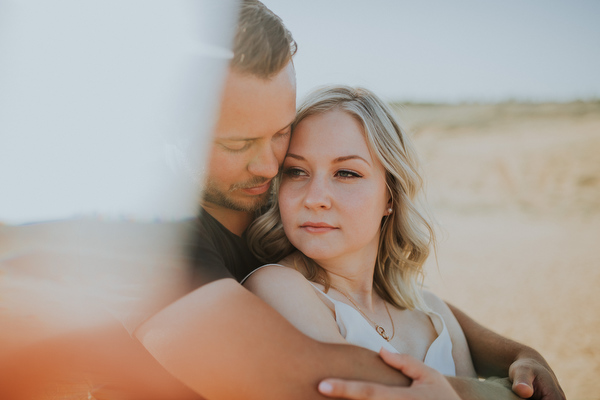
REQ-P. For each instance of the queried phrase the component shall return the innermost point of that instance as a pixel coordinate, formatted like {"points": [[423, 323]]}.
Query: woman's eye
{"points": [[343, 173], [294, 172]]}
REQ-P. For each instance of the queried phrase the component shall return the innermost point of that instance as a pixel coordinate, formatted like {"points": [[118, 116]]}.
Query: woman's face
{"points": [[333, 194]]}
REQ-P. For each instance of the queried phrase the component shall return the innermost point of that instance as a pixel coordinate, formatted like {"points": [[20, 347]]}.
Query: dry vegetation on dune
{"points": [[538, 158], [515, 188]]}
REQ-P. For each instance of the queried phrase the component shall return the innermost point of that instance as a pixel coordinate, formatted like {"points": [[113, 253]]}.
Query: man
{"points": [[222, 341]]}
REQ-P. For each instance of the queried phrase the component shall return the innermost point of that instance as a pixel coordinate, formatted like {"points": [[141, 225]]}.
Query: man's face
{"points": [[250, 140]]}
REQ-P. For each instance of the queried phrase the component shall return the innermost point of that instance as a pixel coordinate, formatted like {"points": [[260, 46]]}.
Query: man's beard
{"points": [[213, 195]]}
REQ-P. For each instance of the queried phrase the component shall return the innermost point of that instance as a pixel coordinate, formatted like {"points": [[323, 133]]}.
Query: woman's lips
{"points": [[317, 227], [257, 189]]}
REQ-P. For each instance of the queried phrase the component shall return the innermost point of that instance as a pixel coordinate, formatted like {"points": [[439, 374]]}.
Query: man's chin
{"points": [[243, 204], [252, 206]]}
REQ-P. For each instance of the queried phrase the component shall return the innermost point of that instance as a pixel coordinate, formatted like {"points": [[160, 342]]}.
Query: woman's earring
{"points": [[390, 210]]}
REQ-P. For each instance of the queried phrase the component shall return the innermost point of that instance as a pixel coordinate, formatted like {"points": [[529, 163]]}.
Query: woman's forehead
{"points": [[332, 132]]}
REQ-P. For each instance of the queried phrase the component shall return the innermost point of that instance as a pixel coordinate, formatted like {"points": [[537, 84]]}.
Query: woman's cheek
{"points": [[285, 210]]}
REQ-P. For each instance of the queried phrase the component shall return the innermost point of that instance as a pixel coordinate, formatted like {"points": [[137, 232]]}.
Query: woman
{"points": [[347, 226]]}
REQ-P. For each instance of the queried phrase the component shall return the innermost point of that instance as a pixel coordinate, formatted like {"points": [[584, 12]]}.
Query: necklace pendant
{"points": [[382, 333]]}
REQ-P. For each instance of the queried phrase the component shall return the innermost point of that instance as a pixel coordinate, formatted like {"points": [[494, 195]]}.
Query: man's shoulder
{"points": [[208, 234], [206, 224], [214, 246]]}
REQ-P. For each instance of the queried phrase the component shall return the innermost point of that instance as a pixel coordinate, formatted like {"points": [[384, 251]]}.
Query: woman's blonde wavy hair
{"points": [[406, 234]]}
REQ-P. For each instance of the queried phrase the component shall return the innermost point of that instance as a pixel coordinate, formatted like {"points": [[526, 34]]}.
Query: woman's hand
{"points": [[426, 384], [534, 379]]}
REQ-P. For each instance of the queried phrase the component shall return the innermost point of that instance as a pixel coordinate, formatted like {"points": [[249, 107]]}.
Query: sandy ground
{"points": [[515, 189]]}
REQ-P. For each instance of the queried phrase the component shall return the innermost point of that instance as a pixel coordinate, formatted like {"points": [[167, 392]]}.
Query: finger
{"points": [[522, 389], [354, 390], [408, 365], [522, 378]]}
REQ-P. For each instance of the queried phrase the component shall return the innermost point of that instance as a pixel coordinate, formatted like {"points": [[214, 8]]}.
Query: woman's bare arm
{"points": [[292, 296]]}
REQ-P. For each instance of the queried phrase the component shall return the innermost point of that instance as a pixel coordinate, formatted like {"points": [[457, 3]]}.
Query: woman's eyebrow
{"points": [[352, 157], [296, 156], [336, 160]]}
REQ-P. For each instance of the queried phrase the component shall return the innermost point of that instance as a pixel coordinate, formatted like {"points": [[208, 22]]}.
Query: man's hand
{"points": [[494, 355], [532, 379], [426, 384]]}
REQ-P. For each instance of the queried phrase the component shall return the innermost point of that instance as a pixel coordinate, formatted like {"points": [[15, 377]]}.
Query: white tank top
{"points": [[358, 331]]}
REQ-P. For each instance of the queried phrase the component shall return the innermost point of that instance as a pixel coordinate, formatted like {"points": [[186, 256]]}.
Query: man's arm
{"points": [[225, 343], [495, 355], [427, 384]]}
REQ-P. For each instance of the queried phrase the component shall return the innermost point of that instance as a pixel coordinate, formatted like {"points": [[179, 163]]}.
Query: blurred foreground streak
{"points": [[70, 292], [105, 108]]}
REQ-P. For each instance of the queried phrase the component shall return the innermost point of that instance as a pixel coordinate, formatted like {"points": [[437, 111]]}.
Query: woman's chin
{"points": [[318, 255]]}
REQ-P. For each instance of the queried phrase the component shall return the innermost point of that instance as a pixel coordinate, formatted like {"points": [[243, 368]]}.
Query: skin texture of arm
{"points": [[546, 386], [427, 384], [225, 343], [494, 355], [290, 294]]}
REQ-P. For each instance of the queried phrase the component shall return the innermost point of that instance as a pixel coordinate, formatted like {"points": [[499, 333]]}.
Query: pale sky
{"points": [[448, 50], [88, 120]]}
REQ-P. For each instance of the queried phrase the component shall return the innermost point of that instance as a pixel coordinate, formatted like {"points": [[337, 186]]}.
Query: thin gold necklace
{"points": [[378, 327]]}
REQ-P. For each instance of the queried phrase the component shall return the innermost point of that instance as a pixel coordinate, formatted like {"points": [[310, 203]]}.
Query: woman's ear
{"points": [[390, 208]]}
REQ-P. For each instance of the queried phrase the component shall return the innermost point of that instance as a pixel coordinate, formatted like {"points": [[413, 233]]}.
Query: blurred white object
{"points": [[91, 93]]}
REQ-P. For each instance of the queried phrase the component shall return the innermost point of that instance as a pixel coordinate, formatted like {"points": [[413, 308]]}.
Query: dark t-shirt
{"points": [[211, 253], [218, 253]]}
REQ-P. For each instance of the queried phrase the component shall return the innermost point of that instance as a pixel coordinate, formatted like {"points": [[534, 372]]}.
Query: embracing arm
{"points": [[290, 294], [490, 351], [225, 343], [495, 355]]}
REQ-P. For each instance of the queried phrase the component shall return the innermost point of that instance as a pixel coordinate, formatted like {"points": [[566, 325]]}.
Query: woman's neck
{"points": [[352, 275], [359, 289]]}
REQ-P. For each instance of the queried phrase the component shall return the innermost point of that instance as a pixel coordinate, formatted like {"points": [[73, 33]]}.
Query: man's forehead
{"points": [[243, 133], [253, 106]]}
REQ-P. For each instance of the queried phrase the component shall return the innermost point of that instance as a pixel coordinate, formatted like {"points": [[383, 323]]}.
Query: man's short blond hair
{"points": [[262, 45]]}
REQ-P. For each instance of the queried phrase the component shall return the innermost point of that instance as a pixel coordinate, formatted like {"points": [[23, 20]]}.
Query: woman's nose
{"points": [[318, 195]]}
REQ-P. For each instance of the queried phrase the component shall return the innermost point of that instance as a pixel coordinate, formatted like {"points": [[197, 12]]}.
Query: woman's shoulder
{"points": [[293, 296], [460, 348], [439, 307], [270, 272], [434, 302], [278, 277]]}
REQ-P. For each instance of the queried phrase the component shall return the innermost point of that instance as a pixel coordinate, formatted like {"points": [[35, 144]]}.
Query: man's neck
{"points": [[235, 221]]}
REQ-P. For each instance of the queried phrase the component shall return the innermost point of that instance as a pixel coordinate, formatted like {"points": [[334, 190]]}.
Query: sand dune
{"points": [[516, 191]]}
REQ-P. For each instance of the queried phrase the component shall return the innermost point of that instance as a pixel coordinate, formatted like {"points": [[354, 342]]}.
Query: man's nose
{"points": [[318, 195], [264, 163]]}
